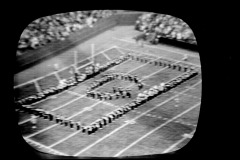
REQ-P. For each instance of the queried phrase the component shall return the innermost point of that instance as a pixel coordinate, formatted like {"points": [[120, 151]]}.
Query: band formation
{"points": [[26, 105]]}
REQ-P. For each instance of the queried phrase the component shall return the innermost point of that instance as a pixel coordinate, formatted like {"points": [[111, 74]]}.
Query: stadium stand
{"points": [[157, 26], [30, 57], [57, 27]]}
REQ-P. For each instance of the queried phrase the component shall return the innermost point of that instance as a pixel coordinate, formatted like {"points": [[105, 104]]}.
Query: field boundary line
{"points": [[175, 144], [160, 48], [36, 79], [162, 125], [84, 95], [107, 56], [69, 136], [101, 52], [147, 53], [70, 117], [54, 109], [72, 134], [107, 135], [51, 150]]}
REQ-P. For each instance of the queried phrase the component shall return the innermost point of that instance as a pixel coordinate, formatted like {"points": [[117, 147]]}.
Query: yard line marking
{"points": [[67, 103], [49, 127], [36, 79], [145, 77], [71, 135], [24, 121], [51, 151], [109, 134], [77, 86], [162, 125], [54, 109], [175, 144], [100, 101], [107, 56], [157, 56], [84, 95], [160, 48], [189, 95], [74, 93]]}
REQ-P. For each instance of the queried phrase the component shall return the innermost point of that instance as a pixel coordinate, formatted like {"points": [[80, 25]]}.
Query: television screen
{"points": [[107, 83]]}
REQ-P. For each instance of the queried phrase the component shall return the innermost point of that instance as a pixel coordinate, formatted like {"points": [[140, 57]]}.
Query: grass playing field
{"points": [[158, 126]]}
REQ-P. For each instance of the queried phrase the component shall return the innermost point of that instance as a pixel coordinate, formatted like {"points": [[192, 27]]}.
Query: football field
{"points": [[163, 124]]}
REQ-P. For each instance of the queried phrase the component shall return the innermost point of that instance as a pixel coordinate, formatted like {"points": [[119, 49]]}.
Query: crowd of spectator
{"points": [[57, 27], [166, 26]]}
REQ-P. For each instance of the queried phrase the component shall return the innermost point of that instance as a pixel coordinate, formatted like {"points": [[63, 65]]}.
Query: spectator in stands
{"points": [[160, 25], [57, 27]]}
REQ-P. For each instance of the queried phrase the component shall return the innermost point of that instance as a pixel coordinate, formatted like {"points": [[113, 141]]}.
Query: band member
{"points": [[65, 122], [84, 129], [120, 90], [185, 58], [105, 120], [46, 115], [71, 124], [78, 126], [100, 123], [140, 85], [185, 68], [110, 118], [95, 127], [114, 89], [34, 121], [61, 120], [117, 95]]}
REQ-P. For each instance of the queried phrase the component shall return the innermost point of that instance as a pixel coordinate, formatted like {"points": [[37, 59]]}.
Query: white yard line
{"points": [[107, 135], [49, 127], [25, 121], [107, 103], [163, 118], [155, 129], [160, 48], [54, 109], [158, 56], [50, 150], [151, 115], [78, 95], [74, 93], [36, 79], [69, 136], [175, 144], [83, 96], [107, 56], [74, 86], [188, 95], [177, 92]]}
